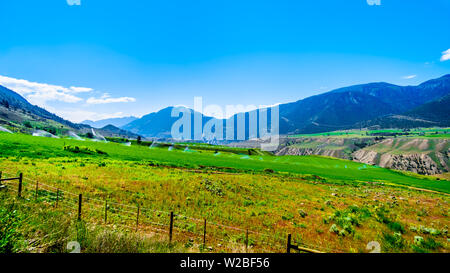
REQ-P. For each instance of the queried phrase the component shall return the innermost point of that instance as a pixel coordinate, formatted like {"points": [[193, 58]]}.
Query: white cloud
{"points": [[80, 89], [40, 93], [79, 115], [445, 55], [409, 77], [107, 99]]}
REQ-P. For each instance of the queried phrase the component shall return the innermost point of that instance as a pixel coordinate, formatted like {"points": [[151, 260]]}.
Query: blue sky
{"points": [[135, 57]]}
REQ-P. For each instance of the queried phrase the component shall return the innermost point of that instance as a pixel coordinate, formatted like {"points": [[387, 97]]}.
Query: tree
{"points": [[5, 103], [139, 140], [27, 124]]}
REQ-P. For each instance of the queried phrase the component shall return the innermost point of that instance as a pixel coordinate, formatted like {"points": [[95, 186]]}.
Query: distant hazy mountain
{"points": [[158, 124], [118, 122], [349, 107], [113, 131]]}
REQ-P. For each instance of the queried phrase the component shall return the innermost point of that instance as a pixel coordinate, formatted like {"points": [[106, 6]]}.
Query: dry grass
{"points": [[266, 204]]}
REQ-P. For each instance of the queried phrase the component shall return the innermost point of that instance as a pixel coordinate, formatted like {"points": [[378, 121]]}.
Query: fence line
{"points": [[72, 204]]}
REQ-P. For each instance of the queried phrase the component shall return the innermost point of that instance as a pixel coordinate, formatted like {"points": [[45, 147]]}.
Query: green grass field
{"points": [[18, 145], [419, 132]]}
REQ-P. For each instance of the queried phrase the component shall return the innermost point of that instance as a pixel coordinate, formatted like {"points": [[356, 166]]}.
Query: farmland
{"points": [[418, 132], [328, 204]]}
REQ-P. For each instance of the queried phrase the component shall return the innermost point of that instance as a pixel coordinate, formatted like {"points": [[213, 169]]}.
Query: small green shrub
{"points": [[83, 150], [302, 213], [393, 242], [396, 227], [28, 124], [287, 216], [215, 187], [422, 245]]}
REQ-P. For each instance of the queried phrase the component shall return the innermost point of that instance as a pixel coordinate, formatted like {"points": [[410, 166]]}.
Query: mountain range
{"points": [[118, 122], [349, 107], [366, 105], [375, 104]]}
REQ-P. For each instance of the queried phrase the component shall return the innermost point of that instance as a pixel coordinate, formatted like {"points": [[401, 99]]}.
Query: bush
{"points": [[83, 150], [348, 219], [334, 229], [396, 227], [27, 124], [4, 103], [421, 245], [215, 187], [393, 242], [302, 213]]}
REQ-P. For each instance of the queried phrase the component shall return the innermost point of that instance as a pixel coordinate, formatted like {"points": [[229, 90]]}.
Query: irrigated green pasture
{"points": [[18, 145], [418, 132]]}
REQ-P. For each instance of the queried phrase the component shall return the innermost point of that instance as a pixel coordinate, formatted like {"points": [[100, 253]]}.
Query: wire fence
{"points": [[149, 221]]}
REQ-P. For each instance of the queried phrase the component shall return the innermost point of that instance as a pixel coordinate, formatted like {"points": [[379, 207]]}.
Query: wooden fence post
{"points": [[106, 211], [289, 243], [19, 191], [137, 218], [204, 235], [80, 200], [37, 188], [171, 227], [246, 242]]}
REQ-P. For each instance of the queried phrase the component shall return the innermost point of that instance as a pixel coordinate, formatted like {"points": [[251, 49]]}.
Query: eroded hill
{"points": [[427, 156]]}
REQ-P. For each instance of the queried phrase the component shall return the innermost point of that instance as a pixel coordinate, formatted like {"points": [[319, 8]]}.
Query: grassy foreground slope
{"points": [[331, 217], [18, 145]]}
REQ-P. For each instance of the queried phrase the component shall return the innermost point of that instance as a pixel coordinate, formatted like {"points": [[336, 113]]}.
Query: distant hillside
{"points": [[351, 107], [421, 155], [16, 112], [434, 113], [10, 100], [437, 111], [331, 111], [113, 131]]}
